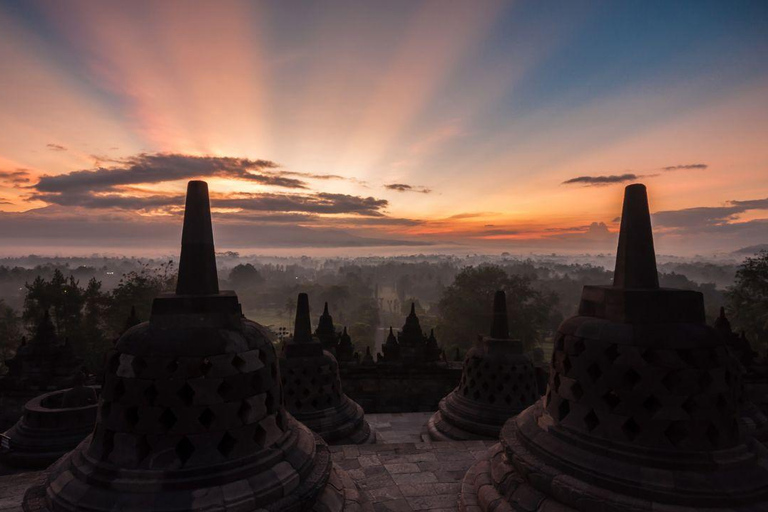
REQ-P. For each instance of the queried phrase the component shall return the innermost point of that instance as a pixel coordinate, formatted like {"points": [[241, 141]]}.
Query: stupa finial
{"points": [[500, 325], [302, 328], [635, 257], [197, 264]]}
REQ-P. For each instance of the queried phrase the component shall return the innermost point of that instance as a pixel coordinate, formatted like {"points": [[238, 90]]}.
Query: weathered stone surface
{"points": [[191, 413], [641, 411], [48, 430], [498, 381]]}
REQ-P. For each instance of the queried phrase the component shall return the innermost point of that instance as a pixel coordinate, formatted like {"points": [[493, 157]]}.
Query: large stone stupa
{"points": [[498, 381], [191, 413], [641, 411], [312, 386]]}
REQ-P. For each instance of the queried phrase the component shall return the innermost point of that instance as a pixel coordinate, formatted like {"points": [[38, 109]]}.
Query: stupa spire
{"points": [[197, 264], [500, 325], [635, 257], [302, 328]]}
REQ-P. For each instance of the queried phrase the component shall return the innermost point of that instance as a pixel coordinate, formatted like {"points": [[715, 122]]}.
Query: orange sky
{"points": [[482, 110]]}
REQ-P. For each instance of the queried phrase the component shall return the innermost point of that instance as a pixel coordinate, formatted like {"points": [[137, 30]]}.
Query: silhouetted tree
{"points": [[245, 275], [465, 307], [748, 299], [10, 333]]}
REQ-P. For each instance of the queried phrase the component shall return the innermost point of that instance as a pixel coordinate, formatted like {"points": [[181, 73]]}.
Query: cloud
{"points": [[14, 178], [402, 187], [161, 167], [601, 181], [707, 216], [684, 167], [55, 147]]}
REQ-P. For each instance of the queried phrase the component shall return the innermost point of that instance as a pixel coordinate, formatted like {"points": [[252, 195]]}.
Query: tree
{"points": [[94, 337], [465, 309], [138, 289], [61, 297], [244, 276], [10, 332], [748, 299]]}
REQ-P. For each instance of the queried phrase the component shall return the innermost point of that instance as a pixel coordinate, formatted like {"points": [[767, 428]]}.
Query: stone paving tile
{"points": [[411, 476], [12, 489]]}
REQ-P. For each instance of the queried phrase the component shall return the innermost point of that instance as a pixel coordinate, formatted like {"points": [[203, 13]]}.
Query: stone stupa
{"points": [[312, 387], [191, 413], [497, 382], [641, 411]]}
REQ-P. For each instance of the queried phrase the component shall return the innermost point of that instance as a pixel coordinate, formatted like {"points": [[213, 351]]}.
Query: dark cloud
{"points": [[707, 216], [600, 181], [684, 167], [55, 147], [16, 177], [402, 187], [156, 168]]}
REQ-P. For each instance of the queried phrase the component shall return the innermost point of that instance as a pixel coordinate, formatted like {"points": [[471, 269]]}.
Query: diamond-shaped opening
{"points": [[114, 363], [172, 366], [118, 391], [106, 409], [206, 366], [238, 362], [206, 418], [713, 435], [227, 444], [612, 353], [566, 365], [150, 394], [142, 449], [579, 346], [108, 444], [676, 432], [260, 436], [631, 378], [611, 399], [184, 450], [591, 420], [594, 372], [721, 403], [671, 380], [167, 419], [305, 392], [224, 389], [705, 380], [299, 404], [687, 356], [690, 406], [132, 417], [186, 393], [630, 428], [139, 365], [652, 356], [563, 409], [576, 390], [652, 405]]}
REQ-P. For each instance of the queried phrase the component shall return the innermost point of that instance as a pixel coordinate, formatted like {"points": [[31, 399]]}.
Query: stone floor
{"points": [[401, 472]]}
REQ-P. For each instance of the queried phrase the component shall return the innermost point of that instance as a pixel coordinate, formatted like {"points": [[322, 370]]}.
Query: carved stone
{"points": [[641, 411], [498, 382], [312, 387], [191, 413]]}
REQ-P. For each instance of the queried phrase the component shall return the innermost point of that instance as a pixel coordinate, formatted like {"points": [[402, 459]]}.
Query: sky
{"points": [[382, 126]]}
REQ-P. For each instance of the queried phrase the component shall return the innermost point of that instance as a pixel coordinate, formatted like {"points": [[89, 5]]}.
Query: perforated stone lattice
{"points": [[311, 387], [653, 396], [500, 384], [163, 412]]}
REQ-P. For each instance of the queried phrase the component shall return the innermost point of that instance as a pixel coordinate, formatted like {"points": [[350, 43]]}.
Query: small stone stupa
{"points": [[498, 381], [326, 332], [641, 411], [191, 413], [44, 363], [312, 387]]}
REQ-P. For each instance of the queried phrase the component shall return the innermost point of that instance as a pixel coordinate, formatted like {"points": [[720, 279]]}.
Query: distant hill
{"points": [[752, 249]]}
